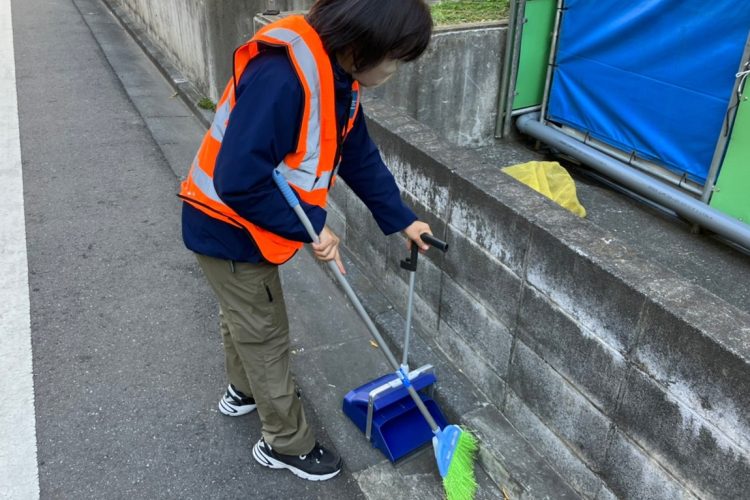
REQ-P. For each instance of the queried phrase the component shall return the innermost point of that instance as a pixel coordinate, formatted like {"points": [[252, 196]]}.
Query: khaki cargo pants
{"points": [[255, 330]]}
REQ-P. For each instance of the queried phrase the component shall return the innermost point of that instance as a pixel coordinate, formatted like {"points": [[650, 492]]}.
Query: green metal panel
{"points": [[732, 192], [535, 45]]}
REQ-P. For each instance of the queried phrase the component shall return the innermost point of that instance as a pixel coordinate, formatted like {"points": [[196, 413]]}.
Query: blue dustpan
{"points": [[386, 413]]}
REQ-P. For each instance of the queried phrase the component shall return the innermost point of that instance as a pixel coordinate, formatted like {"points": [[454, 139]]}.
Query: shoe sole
{"points": [[272, 463], [232, 411]]}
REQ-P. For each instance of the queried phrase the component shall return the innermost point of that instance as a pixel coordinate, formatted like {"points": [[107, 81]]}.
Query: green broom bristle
{"points": [[460, 483]]}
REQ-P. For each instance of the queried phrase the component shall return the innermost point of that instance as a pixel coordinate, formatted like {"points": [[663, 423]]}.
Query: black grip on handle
{"points": [[410, 263], [434, 242]]}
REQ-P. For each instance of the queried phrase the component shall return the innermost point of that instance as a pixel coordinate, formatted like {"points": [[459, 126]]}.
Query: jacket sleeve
{"points": [[262, 130], [364, 171]]}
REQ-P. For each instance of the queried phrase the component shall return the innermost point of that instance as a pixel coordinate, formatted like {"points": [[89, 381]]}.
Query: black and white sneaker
{"points": [[318, 465], [234, 403]]}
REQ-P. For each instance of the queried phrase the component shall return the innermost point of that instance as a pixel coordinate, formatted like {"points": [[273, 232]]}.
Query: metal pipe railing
{"points": [[682, 203]]}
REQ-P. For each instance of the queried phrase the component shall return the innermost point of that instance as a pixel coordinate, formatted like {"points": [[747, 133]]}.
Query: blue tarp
{"points": [[652, 77]]}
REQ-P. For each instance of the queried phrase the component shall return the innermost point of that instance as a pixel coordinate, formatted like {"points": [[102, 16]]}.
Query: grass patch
{"points": [[207, 103], [469, 11]]}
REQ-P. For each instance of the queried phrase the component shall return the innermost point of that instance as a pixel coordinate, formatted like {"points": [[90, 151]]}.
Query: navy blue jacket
{"points": [[263, 128]]}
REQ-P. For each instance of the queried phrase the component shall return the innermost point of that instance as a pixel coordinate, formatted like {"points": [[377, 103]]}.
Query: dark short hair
{"points": [[373, 29]]}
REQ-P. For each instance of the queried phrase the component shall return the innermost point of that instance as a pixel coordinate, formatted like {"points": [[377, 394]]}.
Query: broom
{"points": [[455, 448]]}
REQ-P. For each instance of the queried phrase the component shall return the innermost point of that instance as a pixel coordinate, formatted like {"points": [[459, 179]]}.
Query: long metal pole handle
{"points": [[295, 204], [410, 264], [407, 334]]}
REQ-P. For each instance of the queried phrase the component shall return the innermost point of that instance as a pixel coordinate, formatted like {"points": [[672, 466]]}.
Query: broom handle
{"points": [[295, 204]]}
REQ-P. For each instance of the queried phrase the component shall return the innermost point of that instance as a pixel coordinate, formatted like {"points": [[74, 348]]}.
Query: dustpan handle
{"points": [[378, 338], [294, 203], [434, 242], [410, 264]]}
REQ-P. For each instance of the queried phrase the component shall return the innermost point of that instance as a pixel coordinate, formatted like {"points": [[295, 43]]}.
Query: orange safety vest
{"points": [[310, 169]]}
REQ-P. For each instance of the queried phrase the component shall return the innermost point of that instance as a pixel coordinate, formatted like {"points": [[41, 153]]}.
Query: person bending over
{"points": [[292, 105]]}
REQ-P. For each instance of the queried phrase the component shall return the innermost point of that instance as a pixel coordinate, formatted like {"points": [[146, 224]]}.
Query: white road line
{"points": [[19, 474]]}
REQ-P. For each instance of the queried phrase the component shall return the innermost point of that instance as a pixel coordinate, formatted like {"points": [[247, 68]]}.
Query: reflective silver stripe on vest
{"points": [[204, 182], [306, 62], [219, 126], [303, 180]]}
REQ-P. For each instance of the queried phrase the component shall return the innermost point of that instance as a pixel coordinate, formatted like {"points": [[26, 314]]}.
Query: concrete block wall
{"points": [[633, 382]]}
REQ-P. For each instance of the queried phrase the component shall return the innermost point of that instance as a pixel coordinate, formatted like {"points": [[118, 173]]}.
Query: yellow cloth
{"points": [[550, 179]]}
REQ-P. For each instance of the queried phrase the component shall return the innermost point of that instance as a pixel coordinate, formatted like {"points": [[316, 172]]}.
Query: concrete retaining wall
{"points": [[453, 88], [599, 357], [199, 36], [180, 28]]}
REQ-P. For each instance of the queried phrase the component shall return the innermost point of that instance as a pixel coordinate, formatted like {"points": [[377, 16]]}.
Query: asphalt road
{"points": [[127, 360]]}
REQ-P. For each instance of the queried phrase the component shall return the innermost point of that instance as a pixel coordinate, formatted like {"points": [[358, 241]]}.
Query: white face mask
{"points": [[377, 75]]}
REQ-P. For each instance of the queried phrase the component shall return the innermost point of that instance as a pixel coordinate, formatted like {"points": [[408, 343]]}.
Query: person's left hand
{"points": [[413, 233]]}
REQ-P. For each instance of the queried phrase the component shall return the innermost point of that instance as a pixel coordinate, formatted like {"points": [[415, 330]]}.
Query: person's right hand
{"points": [[328, 248], [413, 235]]}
